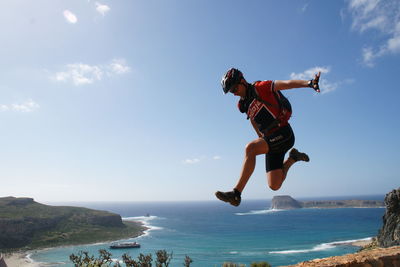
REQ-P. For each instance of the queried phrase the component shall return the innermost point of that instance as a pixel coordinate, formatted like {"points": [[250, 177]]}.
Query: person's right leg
{"points": [[254, 148]]}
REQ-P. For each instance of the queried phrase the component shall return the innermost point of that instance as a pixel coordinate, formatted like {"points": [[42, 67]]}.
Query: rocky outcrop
{"points": [[368, 258], [284, 203], [389, 234]]}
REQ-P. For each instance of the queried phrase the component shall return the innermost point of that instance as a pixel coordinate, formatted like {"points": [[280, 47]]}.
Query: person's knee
{"points": [[275, 179], [275, 187], [251, 149]]}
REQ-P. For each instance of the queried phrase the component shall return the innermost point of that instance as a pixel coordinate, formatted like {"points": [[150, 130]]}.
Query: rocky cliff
{"points": [[389, 234], [378, 257]]}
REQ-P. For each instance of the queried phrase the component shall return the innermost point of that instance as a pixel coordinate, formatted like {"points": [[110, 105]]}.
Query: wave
{"points": [[145, 220], [257, 212], [323, 246], [42, 264], [248, 253]]}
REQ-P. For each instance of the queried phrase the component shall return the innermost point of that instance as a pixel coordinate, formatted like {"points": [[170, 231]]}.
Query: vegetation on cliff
{"points": [[25, 223], [163, 259]]}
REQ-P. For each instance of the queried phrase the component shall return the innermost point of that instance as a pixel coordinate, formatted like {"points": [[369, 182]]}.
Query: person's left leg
{"points": [[254, 148], [276, 177]]}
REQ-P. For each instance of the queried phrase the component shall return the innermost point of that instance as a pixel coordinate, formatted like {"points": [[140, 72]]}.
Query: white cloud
{"points": [[82, 74], [325, 85], [309, 74], [27, 106], [4, 108], [102, 9], [382, 16], [200, 159], [368, 56], [191, 161], [304, 8], [119, 66], [70, 17]]}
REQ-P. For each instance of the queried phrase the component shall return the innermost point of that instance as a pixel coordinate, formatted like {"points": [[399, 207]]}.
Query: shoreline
{"points": [[20, 259], [362, 243], [23, 258]]}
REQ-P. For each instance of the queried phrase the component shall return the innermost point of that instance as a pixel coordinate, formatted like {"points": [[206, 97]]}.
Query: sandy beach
{"points": [[362, 243], [19, 259]]}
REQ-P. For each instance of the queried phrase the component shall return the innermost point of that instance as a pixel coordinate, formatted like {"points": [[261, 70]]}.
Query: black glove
{"points": [[314, 83]]}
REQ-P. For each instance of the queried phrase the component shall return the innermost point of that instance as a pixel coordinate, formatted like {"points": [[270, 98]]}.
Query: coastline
{"points": [[23, 259], [362, 242], [20, 259]]}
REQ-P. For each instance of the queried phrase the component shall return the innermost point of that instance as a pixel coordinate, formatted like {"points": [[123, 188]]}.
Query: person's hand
{"points": [[314, 84]]}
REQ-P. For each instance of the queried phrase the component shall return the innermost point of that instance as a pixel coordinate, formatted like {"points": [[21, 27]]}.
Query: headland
{"points": [[26, 225], [287, 202]]}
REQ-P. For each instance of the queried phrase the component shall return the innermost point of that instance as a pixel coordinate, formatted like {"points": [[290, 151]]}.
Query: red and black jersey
{"points": [[262, 114]]}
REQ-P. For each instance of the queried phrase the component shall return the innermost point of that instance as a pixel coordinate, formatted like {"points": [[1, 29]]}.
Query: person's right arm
{"points": [[290, 84]]}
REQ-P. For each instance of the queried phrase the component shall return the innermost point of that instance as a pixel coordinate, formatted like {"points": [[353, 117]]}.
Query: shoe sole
{"points": [[220, 197]]}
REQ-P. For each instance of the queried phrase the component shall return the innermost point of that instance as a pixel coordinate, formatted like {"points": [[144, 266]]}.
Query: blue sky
{"points": [[121, 100]]}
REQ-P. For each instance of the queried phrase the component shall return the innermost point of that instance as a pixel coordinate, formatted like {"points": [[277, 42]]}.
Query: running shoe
{"points": [[297, 156], [231, 197]]}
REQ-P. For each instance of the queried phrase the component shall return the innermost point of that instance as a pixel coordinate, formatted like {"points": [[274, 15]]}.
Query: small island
{"points": [[287, 202], [26, 224]]}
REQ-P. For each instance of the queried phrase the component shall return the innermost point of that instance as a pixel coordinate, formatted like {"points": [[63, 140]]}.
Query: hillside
{"points": [[25, 223]]}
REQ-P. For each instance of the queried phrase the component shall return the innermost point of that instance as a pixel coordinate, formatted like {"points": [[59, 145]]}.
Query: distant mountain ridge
{"points": [[26, 223], [287, 202]]}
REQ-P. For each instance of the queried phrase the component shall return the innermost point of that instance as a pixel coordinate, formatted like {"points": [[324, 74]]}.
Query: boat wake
{"points": [[323, 246], [257, 212]]}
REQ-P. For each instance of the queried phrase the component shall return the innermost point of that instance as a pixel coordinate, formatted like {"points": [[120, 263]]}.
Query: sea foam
{"points": [[323, 246], [257, 212], [145, 220]]}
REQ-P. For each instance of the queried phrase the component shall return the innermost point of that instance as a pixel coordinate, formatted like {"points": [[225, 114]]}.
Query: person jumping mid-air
{"points": [[269, 111]]}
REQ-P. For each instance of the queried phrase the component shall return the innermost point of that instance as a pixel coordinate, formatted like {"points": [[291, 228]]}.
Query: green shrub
{"points": [[232, 264], [260, 264], [83, 259]]}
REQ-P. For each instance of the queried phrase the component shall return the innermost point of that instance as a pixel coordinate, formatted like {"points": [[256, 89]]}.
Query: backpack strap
{"points": [[277, 121], [258, 98]]}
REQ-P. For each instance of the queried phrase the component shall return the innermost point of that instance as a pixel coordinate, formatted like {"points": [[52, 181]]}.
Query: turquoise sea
{"points": [[213, 232]]}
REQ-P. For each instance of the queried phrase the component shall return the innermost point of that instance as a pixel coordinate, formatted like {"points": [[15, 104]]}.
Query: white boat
{"points": [[125, 245]]}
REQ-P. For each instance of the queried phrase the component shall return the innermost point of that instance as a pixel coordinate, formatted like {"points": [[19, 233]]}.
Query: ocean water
{"points": [[213, 232]]}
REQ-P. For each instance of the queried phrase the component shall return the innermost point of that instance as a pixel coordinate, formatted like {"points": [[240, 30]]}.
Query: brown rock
{"points": [[379, 257]]}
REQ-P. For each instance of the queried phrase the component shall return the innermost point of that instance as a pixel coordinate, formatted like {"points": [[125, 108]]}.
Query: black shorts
{"points": [[279, 142]]}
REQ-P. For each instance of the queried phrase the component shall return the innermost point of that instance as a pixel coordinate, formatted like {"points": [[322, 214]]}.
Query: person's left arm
{"points": [[291, 84]]}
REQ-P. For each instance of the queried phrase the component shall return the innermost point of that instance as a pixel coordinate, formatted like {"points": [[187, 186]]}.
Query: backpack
{"points": [[284, 106]]}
